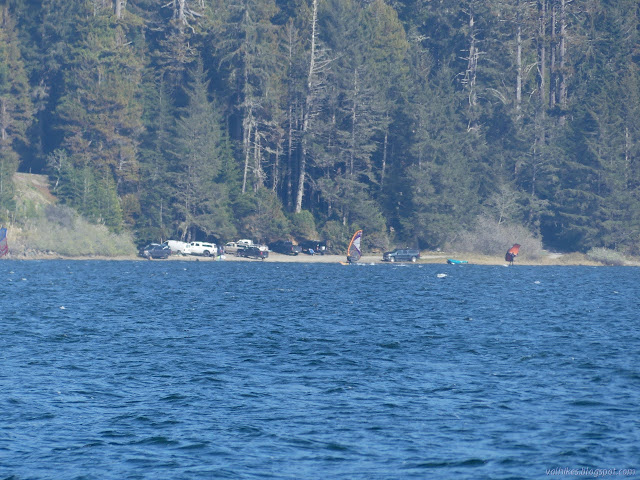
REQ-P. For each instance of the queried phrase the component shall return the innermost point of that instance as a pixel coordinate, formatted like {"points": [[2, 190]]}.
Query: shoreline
{"points": [[571, 259]]}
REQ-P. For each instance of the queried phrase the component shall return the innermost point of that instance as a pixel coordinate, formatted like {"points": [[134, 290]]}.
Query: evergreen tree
{"points": [[264, 219], [386, 54], [202, 202], [15, 109], [442, 191], [101, 113], [155, 219], [246, 43], [414, 116]]}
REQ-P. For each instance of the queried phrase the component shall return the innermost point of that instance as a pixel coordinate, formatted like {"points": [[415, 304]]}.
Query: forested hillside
{"points": [[418, 121]]}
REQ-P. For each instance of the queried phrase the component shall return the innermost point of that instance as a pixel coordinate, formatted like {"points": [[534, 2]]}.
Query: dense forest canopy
{"points": [[414, 120]]}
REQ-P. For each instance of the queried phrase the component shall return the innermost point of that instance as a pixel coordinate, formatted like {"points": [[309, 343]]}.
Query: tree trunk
{"points": [[553, 77], [301, 176], [542, 74], [542, 50], [180, 12], [473, 64], [627, 157], [289, 173], [5, 120], [276, 166], [307, 110], [246, 142], [518, 62], [470, 77], [119, 8], [354, 118], [385, 145], [290, 160], [563, 53], [257, 161]]}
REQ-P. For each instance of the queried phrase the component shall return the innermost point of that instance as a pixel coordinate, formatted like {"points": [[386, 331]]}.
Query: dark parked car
{"points": [[313, 245], [252, 252], [402, 255], [155, 250], [284, 247]]}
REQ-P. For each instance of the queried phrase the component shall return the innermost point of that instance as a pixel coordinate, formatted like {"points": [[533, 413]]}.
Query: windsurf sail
{"points": [[353, 252], [512, 253], [4, 246]]}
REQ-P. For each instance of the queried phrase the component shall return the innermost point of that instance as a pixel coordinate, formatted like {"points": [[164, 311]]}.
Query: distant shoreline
{"points": [[427, 258]]}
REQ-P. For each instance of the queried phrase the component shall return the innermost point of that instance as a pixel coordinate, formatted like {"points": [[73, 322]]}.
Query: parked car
{"points": [[202, 248], [253, 252], [287, 248], [155, 250], [402, 255], [313, 245], [231, 247], [245, 242]]}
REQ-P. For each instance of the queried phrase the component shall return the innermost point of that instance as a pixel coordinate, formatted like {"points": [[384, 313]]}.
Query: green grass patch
{"points": [[62, 231], [606, 256]]}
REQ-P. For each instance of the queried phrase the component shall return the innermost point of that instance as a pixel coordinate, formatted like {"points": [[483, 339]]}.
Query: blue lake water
{"points": [[250, 370]]}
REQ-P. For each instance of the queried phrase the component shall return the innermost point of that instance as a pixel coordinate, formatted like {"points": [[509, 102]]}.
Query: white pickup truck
{"points": [[194, 248], [202, 248]]}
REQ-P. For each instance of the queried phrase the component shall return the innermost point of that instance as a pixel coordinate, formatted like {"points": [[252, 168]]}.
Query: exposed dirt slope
{"points": [[33, 189]]}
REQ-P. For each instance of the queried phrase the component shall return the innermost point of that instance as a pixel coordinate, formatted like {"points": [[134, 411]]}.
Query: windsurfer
{"points": [[353, 252], [4, 247], [512, 253]]}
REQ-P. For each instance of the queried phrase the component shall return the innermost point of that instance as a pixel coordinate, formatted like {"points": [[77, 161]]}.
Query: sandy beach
{"points": [[434, 257], [426, 258]]}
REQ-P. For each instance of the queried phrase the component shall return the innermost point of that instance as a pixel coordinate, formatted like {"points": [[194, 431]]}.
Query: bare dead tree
{"points": [[305, 123], [120, 5]]}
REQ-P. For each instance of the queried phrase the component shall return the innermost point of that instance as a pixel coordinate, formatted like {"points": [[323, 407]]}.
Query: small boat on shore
{"points": [[452, 261]]}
